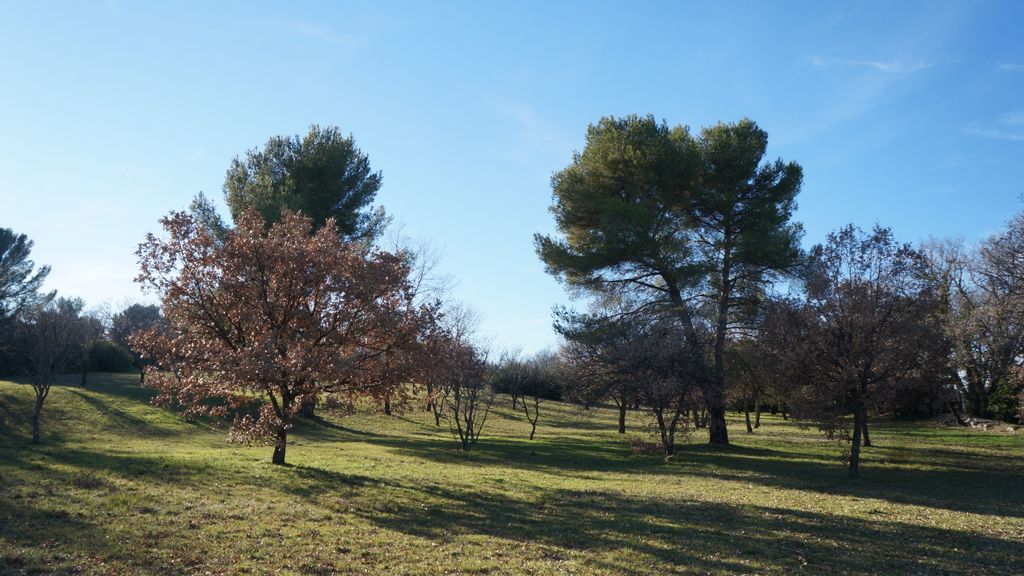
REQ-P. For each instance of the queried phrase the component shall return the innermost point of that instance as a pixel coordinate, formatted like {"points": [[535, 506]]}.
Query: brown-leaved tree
{"points": [[267, 319]]}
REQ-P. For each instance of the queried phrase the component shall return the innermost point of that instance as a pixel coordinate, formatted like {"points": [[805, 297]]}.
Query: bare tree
{"points": [[982, 311], [649, 350], [459, 376], [52, 338], [867, 324]]}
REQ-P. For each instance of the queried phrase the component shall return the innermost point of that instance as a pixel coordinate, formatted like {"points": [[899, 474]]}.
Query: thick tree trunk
{"points": [[280, 446], [714, 395], [858, 426], [622, 418], [866, 439], [785, 416], [387, 406], [717, 431], [750, 429], [308, 409]]}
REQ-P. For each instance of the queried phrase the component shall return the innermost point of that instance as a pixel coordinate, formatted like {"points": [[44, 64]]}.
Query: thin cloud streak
{"points": [[897, 66], [976, 130]]}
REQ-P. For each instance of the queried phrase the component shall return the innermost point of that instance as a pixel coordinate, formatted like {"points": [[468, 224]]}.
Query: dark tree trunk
{"points": [[858, 426], [280, 446], [514, 399], [956, 413], [85, 376], [785, 416], [714, 394], [717, 431], [142, 376], [36, 414], [308, 409], [750, 429], [622, 418], [866, 439], [757, 411], [387, 406], [666, 444]]}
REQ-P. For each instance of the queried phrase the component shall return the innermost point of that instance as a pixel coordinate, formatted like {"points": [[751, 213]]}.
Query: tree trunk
{"points": [[956, 413], [622, 418], [666, 440], [280, 446], [387, 406], [142, 376], [864, 430], [514, 398], [308, 409], [784, 415], [717, 431], [746, 413], [978, 405], [757, 411], [714, 393], [858, 425], [36, 413], [85, 376]]}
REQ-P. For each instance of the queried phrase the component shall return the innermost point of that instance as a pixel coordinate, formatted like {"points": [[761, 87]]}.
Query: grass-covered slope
{"points": [[121, 487]]}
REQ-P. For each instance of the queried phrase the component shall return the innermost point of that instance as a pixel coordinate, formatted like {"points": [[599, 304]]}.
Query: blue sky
{"points": [[909, 114]]}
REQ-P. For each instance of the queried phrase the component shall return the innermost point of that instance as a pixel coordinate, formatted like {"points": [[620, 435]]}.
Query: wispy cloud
{"points": [[532, 133], [1010, 66], [1008, 127], [895, 66], [1014, 118], [321, 33]]}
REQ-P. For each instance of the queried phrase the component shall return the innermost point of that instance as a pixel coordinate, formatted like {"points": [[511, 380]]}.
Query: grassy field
{"points": [[121, 487]]}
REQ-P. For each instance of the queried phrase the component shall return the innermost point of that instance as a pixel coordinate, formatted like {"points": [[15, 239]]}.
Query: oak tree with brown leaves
{"points": [[267, 319]]}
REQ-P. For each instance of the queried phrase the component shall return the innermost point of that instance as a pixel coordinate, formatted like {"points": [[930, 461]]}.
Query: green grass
{"points": [[121, 487]]}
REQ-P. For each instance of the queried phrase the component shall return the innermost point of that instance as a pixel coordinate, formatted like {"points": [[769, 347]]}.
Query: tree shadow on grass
{"points": [[980, 484], [122, 419], [121, 384], [42, 531], [555, 455], [632, 533]]}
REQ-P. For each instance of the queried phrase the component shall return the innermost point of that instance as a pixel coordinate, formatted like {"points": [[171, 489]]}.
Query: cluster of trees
{"points": [[701, 298], [43, 335], [685, 229], [296, 305]]}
